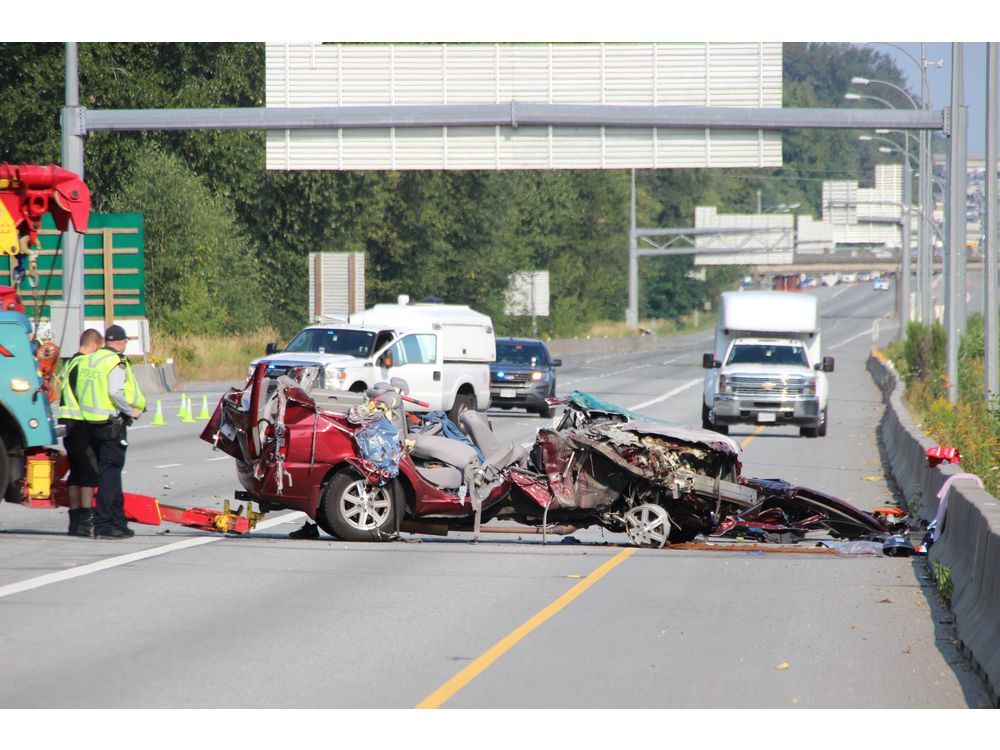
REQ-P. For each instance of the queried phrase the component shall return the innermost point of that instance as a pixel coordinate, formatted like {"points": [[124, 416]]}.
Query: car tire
{"points": [[545, 412], [821, 430], [808, 432], [354, 510], [463, 402]]}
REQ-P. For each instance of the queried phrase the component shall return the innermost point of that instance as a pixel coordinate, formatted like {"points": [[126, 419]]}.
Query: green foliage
{"points": [[967, 424], [456, 235], [201, 272], [924, 352]]}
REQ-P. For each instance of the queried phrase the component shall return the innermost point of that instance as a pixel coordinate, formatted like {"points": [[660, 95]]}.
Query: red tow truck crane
{"points": [[33, 473]]}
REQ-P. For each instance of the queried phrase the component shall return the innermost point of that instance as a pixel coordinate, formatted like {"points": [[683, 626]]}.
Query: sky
{"points": [[939, 80]]}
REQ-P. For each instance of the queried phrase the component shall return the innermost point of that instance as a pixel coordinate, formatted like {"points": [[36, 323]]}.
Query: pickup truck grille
{"points": [[764, 386]]}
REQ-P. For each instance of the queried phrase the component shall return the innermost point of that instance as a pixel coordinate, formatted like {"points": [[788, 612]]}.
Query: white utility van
{"points": [[767, 366], [442, 352]]}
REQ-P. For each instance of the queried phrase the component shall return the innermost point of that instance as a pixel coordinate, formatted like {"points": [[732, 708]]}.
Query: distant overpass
{"points": [[841, 264]]}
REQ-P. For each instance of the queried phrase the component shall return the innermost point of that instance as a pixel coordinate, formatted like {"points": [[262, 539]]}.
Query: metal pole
{"points": [[632, 312], [954, 278], [990, 250], [67, 315], [925, 253], [906, 216]]}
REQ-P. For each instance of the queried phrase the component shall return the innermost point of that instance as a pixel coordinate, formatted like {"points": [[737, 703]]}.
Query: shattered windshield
{"points": [[767, 354], [521, 354], [333, 341]]}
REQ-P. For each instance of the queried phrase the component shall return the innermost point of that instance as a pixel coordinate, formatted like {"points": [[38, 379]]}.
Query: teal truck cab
{"points": [[26, 418]]}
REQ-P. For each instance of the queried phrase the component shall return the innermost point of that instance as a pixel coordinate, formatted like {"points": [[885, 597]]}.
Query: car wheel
{"points": [[356, 510], [823, 423], [809, 432], [463, 402], [545, 412]]}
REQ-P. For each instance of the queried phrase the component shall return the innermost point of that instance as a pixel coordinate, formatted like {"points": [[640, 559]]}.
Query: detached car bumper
{"points": [[736, 410]]}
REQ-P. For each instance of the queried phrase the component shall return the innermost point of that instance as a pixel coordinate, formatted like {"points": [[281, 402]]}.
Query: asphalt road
{"points": [[180, 618]]}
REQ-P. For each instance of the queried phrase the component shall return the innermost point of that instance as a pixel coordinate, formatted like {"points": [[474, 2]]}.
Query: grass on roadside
{"points": [[660, 326], [227, 357], [212, 357]]}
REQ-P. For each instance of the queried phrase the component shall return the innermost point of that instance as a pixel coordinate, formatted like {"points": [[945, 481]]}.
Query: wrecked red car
{"points": [[365, 469]]}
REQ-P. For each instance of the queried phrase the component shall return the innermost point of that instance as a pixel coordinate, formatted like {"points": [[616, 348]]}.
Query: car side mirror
{"points": [[709, 362], [271, 348], [826, 365], [557, 363]]}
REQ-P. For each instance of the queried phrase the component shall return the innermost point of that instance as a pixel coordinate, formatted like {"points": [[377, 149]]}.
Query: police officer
{"points": [[83, 469], [110, 400]]}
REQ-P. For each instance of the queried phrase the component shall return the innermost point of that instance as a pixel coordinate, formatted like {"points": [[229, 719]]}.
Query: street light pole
{"points": [[924, 253], [905, 219], [67, 315], [990, 250], [955, 252], [632, 313]]}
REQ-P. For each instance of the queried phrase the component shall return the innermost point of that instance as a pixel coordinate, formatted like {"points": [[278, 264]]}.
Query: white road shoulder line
{"points": [[114, 562], [668, 394]]}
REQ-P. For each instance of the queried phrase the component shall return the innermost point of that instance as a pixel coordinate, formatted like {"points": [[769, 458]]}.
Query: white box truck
{"points": [[767, 367], [442, 351]]}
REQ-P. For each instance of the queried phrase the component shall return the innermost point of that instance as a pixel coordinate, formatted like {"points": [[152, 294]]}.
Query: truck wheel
{"points": [[356, 510], [707, 424], [821, 431], [4, 468], [463, 402], [809, 432]]}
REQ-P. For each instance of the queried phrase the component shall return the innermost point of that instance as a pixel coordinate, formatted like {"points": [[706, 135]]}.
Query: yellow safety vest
{"points": [[93, 389], [69, 407]]}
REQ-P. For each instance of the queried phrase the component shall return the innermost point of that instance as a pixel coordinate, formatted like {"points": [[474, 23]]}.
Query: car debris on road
{"points": [[299, 447]]}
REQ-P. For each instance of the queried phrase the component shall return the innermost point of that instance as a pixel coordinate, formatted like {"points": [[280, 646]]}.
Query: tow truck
{"points": [[32, 472]]}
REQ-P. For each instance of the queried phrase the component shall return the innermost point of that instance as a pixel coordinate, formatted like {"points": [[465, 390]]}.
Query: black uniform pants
{"points": [[110, 444], [83, 467]]}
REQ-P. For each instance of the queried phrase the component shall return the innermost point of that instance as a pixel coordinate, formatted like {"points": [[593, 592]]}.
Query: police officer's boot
{"points": [[84, 522]]}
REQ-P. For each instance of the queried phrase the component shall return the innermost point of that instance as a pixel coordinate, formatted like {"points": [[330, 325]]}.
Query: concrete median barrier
{"points": [[155, 379], [601, 345], [967, 552]]}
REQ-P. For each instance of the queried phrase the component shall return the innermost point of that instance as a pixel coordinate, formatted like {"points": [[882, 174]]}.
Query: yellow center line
{"points": [[444, 693], [751, 437]]}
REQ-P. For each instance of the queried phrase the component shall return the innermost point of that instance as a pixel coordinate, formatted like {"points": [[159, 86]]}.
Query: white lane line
{"points": [[167, 466], [114, 562], [668, 394], [866, 332], [220, 458]]}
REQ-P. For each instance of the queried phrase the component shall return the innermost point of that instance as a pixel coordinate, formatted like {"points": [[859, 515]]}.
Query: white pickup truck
{"points": [[441, 351], [767, 367]]}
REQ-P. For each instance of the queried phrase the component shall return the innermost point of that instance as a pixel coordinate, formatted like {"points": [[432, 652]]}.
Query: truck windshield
{"points": [[522, 354], [767, 354], [333, 341]]}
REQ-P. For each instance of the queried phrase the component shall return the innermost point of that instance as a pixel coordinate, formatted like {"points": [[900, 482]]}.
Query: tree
{"points": [[201, 271]]}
